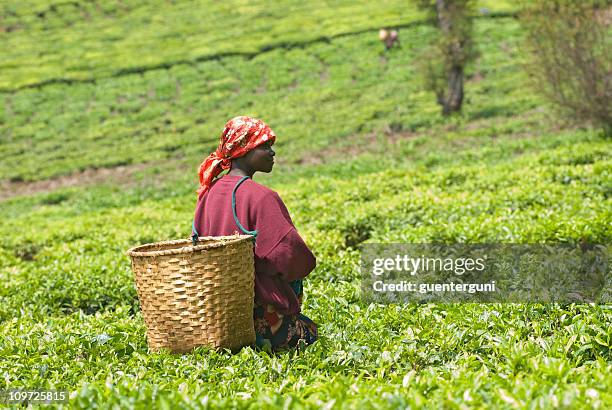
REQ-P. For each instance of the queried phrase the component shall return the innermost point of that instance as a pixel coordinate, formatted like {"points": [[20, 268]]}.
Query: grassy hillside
{"points": [[363, 155], [334, 87], [64, 41]]}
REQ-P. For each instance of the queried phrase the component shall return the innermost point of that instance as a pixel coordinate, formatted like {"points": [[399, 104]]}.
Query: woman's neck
{"points": [[239, 172]]}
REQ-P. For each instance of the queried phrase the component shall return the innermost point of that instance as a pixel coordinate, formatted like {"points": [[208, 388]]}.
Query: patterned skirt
{"points": [[281, 332]]}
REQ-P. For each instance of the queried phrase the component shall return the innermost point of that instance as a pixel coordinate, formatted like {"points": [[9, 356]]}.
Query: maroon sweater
{"points": [[280, 253]]}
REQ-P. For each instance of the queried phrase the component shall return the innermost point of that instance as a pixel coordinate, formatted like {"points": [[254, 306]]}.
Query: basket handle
{"points": [[194, 232]]}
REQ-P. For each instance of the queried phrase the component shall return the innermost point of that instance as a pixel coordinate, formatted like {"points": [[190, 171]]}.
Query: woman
{"points": [[282, 259]]}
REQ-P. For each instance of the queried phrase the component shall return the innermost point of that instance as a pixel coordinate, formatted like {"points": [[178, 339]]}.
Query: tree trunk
{"points": [[454, 94], [452, 99]]}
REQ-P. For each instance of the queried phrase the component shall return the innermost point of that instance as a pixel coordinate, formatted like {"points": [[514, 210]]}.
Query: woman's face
{"points": [[261, 158]]}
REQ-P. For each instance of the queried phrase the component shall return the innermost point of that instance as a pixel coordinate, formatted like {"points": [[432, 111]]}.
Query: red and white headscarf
{"points": [[240, 135]]}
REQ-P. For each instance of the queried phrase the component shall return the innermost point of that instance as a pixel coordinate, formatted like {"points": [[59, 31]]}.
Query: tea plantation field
{"points": [[363, 156]]}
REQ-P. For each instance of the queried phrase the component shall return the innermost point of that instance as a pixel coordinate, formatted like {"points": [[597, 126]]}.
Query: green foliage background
{"points": [[363, 155]]}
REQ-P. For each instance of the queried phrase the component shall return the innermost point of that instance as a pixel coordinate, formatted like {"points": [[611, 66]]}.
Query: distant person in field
{"points": [[282, 259], [389, 38]]}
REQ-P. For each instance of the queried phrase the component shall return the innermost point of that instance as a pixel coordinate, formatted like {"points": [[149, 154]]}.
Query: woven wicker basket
{"points": [[196, 295]]}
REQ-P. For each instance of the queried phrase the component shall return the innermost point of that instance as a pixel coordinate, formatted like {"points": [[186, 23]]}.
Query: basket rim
{"points": [[218, 241]]}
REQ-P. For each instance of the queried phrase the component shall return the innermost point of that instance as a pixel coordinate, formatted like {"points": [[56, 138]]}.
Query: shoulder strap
{"points": [[194, 232], [252, 233]]}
